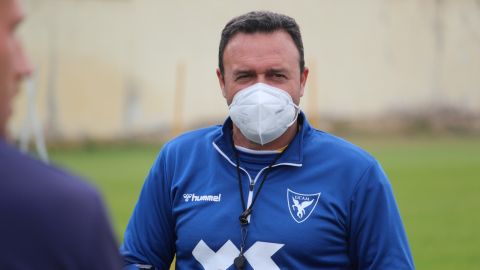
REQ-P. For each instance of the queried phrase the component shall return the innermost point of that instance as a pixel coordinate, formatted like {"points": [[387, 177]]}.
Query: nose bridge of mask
{"points": [[261, 91], [275, 92]]}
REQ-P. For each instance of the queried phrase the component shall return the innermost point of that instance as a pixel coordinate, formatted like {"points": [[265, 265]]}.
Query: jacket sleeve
{"points": [[377, 236], [149, 239]]}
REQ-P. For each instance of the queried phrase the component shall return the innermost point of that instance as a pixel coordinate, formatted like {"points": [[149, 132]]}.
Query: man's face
{"points": [[13, 63], [270, 58]]}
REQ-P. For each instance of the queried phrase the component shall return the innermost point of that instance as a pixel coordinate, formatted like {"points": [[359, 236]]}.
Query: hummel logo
{"points": [[202, 198]]}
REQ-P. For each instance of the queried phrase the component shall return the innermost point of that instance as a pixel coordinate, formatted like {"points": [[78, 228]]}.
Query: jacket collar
{"points": [[292, 157]]}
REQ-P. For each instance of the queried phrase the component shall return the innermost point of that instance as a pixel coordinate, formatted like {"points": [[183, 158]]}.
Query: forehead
{"points": [[245, 47]]}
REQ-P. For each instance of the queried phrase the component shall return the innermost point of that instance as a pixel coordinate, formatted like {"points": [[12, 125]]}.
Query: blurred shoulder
{"points": [[21, 173]]}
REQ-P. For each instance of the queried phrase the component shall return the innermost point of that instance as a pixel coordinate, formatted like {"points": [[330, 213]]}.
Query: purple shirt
{"points": [[50, 219]]}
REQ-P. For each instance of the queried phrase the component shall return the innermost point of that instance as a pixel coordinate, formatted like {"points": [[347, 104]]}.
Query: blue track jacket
{"points": [[326, 204]]}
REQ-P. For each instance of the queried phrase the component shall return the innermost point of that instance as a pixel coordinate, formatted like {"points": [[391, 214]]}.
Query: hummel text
{"points": [[202, 198]]}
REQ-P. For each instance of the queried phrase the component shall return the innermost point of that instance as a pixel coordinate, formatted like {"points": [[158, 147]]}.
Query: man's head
{"points": [[261, 22], [261, 46], [13, 63]]}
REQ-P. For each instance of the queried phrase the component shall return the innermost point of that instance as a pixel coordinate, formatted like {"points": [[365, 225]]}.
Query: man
{"points": [[48, 219], [265, 190]]}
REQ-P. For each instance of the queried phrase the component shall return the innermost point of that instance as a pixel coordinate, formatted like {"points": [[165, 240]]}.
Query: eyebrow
{"points": [[243, 72], [269, 71], [276, 70]]}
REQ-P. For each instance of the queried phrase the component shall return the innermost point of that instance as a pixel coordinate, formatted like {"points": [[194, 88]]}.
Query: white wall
{"points": [[369, 57]]}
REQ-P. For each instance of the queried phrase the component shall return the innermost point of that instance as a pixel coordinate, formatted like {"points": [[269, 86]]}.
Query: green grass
{"points": [[436, 183], [117, 171]]}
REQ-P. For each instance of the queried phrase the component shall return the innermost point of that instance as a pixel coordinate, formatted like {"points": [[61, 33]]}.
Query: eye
{"points": [[278, 76], [242, 77]]}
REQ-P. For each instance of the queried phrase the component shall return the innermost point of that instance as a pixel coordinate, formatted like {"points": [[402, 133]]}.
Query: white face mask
{"points": [[263, 112]]}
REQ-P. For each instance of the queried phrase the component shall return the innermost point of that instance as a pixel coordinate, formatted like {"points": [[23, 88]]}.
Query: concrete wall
{"points": [[107, 68]]}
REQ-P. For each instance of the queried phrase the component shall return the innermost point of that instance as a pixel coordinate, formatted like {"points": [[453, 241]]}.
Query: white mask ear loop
{"points": [[296, 115]]}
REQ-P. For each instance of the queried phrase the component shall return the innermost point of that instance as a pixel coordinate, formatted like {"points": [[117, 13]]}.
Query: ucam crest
{"points": [[300, 205]]}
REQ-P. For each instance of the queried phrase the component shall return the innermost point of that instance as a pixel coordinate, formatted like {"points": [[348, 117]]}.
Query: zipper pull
{"points": [[252, 184]]}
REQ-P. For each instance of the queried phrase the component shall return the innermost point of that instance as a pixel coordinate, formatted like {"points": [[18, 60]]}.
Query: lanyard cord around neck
{"points": [[239, 261], [247, 211]]}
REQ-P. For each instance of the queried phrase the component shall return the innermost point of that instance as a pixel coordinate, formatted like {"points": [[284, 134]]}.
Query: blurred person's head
{"points": [[14, 64]]}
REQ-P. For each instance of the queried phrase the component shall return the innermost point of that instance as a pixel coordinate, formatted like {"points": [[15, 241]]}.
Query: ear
{"points": [[303, 80], [221, 81]]}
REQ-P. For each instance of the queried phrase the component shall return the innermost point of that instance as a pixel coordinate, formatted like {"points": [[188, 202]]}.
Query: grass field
{"points": [[436, 183]]}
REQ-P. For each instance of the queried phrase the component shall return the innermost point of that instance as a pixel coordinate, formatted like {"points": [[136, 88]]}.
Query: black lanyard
{"points": [[239, 261]]}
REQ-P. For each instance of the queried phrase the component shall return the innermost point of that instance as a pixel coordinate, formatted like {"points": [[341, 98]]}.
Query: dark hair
{"points": [[261, 22]]}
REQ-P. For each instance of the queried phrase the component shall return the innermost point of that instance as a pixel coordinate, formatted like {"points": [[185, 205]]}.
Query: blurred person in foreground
{"points": [[265, 190], [48, 219]]}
